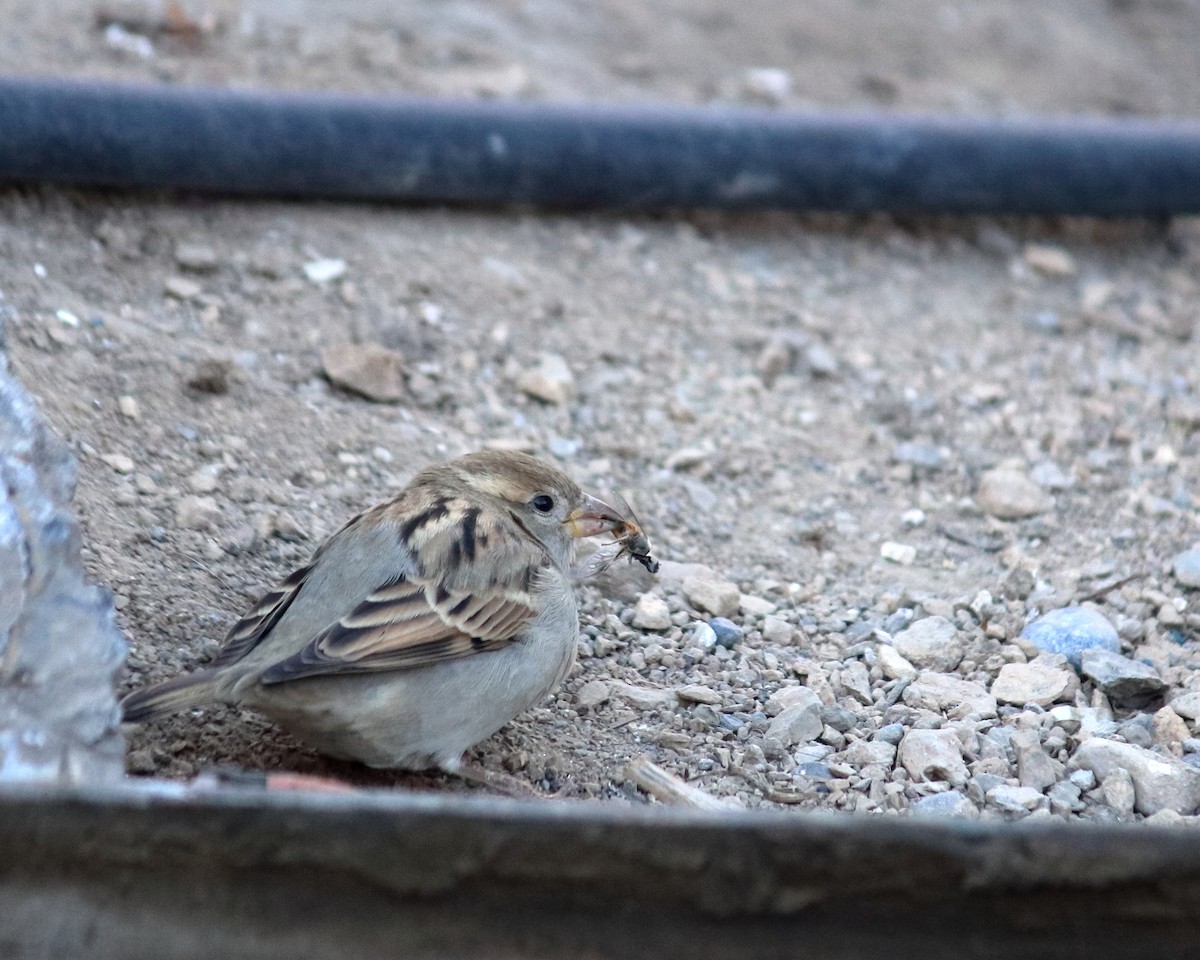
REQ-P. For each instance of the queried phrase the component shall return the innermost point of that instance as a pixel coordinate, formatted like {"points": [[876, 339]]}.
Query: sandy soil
{"points": [[746, 380]]}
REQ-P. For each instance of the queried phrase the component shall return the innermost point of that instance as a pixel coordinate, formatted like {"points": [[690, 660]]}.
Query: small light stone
{"points": [[1186, 567], [592, 694], [933, 755], [932, 643], [368, 369], [119, 462], [128, 407], [1010, 495], [181, 288], [1070, 631], [551, 381], [755, 606], [893, 665], [197, 513], [1034, 682], [695, 693], [651, 613], [1050, 261], [901, 553], [717, 597], [777, 630], [325, 270]]}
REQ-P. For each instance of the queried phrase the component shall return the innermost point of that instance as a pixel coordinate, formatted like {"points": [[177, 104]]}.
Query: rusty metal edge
{"points": [[162, 871]]}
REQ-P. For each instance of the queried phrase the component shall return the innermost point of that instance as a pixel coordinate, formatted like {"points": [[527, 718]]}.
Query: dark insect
{"points": [[632, 538]]}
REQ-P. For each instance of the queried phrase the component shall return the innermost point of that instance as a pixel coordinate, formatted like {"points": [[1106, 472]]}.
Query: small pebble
{"points": [[1072, 630], [1010, 495], [726, 632], [717, 597], [651, 613], [1186, 567]]}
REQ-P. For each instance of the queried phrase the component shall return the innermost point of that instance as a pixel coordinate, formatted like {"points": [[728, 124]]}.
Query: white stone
{"points": [[695, 693], [644, 698], [755, 606], [1010, 495], [932, 643], [799, 722], [777, 630], [1034, 682], [551, 381], [933, 755], [119, 462], [325, 270], [901, 553], [950, 694], [592, 694], [717, 597], [893, 665], [1015, 799], [1159, 783], [651, 613]]}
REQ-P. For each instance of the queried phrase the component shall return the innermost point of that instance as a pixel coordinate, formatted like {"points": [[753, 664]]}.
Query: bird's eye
{"points": [[542, 503]]}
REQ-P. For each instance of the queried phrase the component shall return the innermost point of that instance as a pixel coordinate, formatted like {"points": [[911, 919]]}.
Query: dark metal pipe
{"points": [[622, 157]]}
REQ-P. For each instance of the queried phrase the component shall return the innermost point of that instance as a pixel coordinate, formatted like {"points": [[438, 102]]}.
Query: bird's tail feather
{"points": [[169, 697]]}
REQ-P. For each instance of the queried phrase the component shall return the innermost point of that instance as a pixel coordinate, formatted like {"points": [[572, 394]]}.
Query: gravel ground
{"points": [[888, 465]]}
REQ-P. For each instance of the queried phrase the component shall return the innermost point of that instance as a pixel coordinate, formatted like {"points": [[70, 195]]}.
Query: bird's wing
{"points": [[472, 593]]}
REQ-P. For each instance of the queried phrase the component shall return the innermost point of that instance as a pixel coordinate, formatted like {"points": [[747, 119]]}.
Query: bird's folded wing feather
{"points": [[402, 625], [415, 621]]}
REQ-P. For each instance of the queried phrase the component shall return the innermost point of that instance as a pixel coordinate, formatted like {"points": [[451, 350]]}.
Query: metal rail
{"points": [[587, 156]]}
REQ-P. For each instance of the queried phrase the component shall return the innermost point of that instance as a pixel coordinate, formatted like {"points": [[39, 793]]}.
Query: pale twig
{"points": [[667, 788]]}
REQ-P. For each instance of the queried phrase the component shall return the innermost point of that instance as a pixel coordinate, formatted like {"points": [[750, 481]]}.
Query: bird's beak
{"points": [[591, 517]]}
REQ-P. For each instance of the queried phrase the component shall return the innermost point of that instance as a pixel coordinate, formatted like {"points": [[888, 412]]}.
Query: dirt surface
{"points": [[780, 396]]}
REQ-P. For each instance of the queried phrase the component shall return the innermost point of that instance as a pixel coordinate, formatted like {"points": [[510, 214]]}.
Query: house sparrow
{"points": [[421, 627]]}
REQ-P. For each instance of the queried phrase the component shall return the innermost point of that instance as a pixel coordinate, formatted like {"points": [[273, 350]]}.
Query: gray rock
{"points": [[717, 597], [1187, 705], [1035, 682], [864, 752], [893, 665], [59, 649], [1125, 682], [777, 630], [550, 381], [1010, 495], [1070, 631], [924, 455], [948, 693], [932, 643], [891, 733], [592, 694], [651, 613], [800, 721], [726, 632], [698, 693], [939, 805], [1018, 800], [644, 698], [1064, 798], [1035, 768], [1119, 791], [368, 369], [1186, 567], [933, 755], [1159, 783]]}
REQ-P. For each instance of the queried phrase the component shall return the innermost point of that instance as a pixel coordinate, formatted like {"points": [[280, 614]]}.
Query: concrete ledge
{"points": [[168, 873]]}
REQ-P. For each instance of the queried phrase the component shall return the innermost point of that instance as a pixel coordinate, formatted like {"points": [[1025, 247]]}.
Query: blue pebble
{"points": [[1070, 631], [728, 633], [892, 733], [1187, 568], [814, 771]]}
